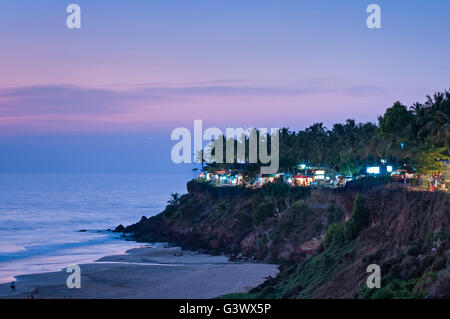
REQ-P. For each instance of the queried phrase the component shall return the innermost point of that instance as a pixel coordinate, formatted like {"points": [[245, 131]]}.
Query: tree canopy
{"points": [[417, 136]]}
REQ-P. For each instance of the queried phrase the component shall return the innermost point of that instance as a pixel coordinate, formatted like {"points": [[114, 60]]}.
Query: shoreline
{"points": [[80, 253], [147, 272]]}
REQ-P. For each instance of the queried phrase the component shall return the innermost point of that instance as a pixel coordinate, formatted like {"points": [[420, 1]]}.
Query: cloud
{"points": [[225, 88], [65, 108], [41, 100]]}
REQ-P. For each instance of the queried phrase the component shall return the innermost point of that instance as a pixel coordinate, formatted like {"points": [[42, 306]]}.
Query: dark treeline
{"points": [[417, 136]]}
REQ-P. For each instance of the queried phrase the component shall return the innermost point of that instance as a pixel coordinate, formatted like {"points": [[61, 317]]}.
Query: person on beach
{"points": [[13, 285]]}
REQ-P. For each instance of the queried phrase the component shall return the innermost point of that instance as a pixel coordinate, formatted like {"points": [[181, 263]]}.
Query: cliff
{"points": [[404, 231]]}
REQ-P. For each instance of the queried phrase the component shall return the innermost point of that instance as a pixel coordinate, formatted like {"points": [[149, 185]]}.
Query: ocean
{"points": [[41, 216]]}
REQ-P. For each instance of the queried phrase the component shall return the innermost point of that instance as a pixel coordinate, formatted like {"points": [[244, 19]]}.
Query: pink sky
{"points": [[152, 66]]}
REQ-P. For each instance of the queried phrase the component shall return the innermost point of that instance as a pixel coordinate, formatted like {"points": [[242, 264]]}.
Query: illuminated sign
{"points": [[373, 170]]}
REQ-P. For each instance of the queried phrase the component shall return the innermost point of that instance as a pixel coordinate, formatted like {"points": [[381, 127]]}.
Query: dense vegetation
{"points": [[416, 136], [417, 272]]}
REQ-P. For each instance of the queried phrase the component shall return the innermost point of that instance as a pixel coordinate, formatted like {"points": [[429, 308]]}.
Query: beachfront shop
{"points": [[224, 177], [303, 180], [322, 175], [264, 179]]}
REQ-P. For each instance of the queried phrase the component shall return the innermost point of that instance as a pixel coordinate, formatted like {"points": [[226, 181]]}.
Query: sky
{"points": [[105, 98]]}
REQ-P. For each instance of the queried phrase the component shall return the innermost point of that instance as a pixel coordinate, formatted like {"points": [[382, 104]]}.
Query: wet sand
{"points": [[155, 273]]}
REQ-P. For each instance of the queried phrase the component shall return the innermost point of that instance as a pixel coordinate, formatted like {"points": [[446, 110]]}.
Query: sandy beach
{"points": [[147, 273]]}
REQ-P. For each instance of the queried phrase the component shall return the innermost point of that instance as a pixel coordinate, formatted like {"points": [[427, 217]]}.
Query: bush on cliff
{"points": [[300, 204], [262, 208], [334, 235], [393, 288], [275, 197], [301, 279], [334, 214], [277, 190], [359, 218], [337, 234]]}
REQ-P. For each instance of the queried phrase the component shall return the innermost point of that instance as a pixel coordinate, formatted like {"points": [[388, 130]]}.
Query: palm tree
{"points": [[200, 158], [175, 200], [434, 121]]}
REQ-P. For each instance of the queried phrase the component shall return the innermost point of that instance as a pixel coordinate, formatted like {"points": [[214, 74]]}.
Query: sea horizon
{"points": [[51, 220]]}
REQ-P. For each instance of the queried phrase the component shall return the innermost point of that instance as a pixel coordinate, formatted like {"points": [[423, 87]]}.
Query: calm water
{"points": [[41, 215]]}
